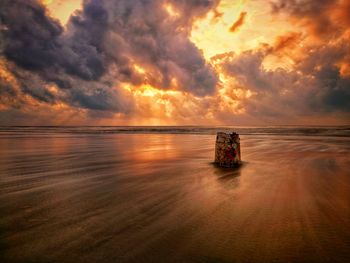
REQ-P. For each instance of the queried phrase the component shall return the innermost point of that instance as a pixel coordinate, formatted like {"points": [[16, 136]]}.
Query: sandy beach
{"points": [[157, 197]]}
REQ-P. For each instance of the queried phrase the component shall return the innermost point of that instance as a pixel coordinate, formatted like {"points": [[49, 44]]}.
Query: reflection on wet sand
{"points": [[159, 198]]}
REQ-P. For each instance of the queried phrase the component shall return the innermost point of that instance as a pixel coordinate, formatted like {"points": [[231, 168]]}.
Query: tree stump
{"points": [[227, 150]]}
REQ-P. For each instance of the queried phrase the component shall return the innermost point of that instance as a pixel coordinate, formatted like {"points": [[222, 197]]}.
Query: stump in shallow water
{"points": [[227, 150]]}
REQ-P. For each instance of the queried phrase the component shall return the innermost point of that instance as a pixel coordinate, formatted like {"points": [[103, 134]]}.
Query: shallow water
{"points": [[157, 197]]}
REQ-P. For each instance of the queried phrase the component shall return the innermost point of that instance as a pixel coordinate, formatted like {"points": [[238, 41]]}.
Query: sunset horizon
{"points": [[207, 62], [175, 131]]}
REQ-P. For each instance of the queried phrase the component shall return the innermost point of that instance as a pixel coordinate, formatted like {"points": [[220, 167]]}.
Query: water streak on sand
{"points": [[121, 194]]}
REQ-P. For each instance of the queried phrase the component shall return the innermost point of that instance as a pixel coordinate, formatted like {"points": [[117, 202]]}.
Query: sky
{"points": [[174, 62]]}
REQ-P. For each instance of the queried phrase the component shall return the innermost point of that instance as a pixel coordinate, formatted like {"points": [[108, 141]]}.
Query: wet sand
{"points": [[159, 198]]}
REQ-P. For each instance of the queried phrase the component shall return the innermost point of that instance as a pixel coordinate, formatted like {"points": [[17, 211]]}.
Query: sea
{"points": [[153, 194]]}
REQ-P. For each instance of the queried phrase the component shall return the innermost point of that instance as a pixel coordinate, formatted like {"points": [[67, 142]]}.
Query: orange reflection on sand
{"points": [[146, 148]]}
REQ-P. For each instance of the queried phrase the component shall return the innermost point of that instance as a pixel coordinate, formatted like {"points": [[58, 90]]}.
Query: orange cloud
{"points": [[185, 67], [236, 25], [287, 41]]}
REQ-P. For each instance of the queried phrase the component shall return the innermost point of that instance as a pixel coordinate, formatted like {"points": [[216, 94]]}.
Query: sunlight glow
{"points": [[62, 10], [139, 69], [213, 37], [171, 10]]}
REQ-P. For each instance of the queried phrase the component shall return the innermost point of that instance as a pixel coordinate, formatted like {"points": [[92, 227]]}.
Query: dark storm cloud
{"points": [[328, 20], [318, 82], [334, 90], [35, 42], [104, 41], [143, 32], [42, 54], [247, 69], [31, 38], [83, 49], [315, 85]]}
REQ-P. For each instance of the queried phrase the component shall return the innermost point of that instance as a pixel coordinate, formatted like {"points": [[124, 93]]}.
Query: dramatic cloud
{"points": [[306, 90], [326, 18], [314, 87], [139, 62], [105, 43], [327, 60]]}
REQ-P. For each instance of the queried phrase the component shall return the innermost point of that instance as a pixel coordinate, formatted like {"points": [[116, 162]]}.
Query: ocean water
{"points": [[152, 194]]}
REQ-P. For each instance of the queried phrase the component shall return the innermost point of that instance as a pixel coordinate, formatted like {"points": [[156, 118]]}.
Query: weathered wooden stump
{"points": [[227, 150]]}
